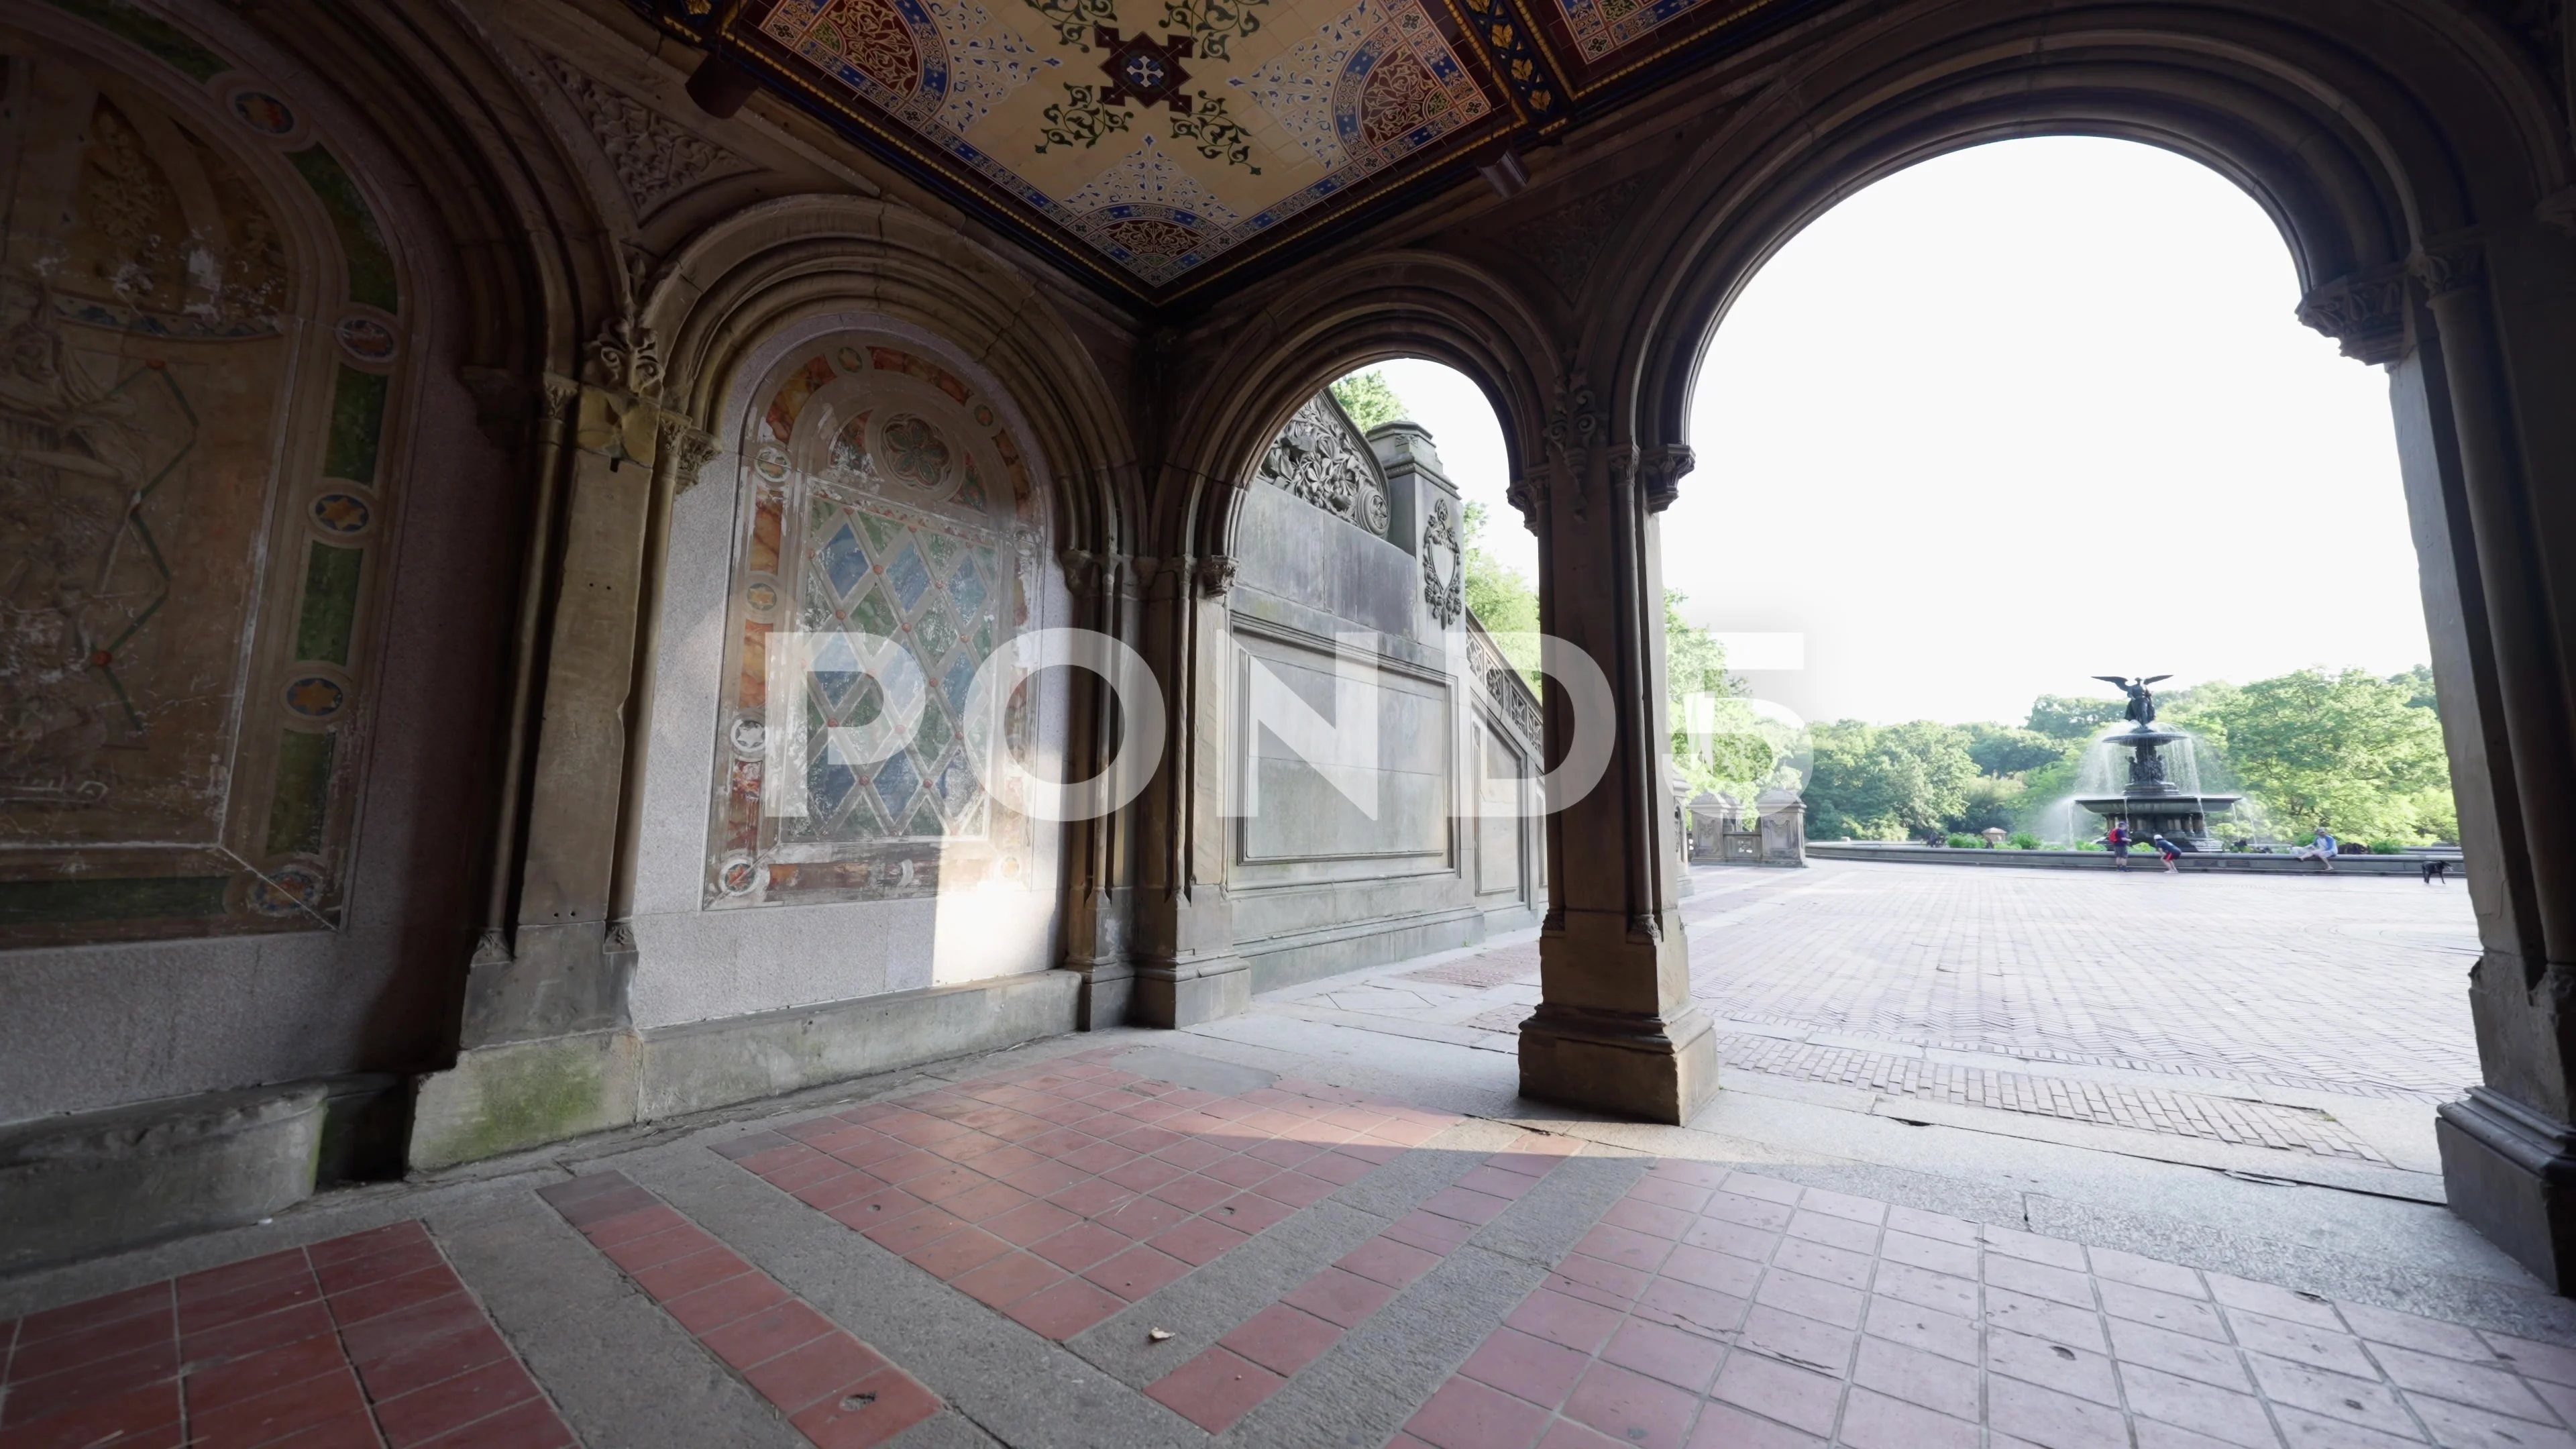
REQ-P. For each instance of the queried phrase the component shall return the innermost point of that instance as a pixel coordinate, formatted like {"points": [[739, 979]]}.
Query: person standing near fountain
{"points": [[2118, 841]]}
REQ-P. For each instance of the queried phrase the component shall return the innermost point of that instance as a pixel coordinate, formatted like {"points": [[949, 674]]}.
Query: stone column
{"points": [[2486, 401], [1186, 968], [1616, 1030], [1098, 893], [560, 975]]}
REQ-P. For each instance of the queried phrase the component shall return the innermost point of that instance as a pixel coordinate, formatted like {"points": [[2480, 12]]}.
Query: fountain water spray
{"points": [[2153, 802]]}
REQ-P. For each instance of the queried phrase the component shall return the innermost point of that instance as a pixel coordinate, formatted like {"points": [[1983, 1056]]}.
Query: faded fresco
{"points": [[881, 495], [191, 406]]}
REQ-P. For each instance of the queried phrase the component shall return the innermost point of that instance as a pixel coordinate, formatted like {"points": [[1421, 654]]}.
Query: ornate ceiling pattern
{"points": [[1154, 146]]}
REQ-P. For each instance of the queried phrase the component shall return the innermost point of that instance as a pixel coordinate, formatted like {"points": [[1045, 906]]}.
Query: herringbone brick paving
{"points": [[2358, 986]]}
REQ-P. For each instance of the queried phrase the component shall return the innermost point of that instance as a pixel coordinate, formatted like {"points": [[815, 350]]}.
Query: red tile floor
{"points": [[1684, 1305], [369, 1339]]}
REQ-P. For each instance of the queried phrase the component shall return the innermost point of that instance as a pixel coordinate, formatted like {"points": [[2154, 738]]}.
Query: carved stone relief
{"points": [[1510, 693], [1447, 599], [1322, 459], [655, 160]]}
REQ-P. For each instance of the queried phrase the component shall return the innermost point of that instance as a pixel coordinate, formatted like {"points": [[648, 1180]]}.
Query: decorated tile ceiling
{"points": [[1156, 145]]}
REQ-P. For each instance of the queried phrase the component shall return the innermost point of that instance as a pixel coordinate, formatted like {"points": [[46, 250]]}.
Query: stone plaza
{"points": [[1986, 1173]]}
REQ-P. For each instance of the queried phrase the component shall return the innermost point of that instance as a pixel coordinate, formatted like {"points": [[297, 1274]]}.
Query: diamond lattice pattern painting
{"points": [[883, 497]]}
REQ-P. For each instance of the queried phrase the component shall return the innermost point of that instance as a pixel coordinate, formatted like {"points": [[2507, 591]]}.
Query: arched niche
{"points": [[207, 399], [876, 484]]}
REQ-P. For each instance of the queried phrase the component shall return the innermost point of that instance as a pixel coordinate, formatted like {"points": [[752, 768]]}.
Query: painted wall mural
{"points": [[203, 328], [881, 496]]}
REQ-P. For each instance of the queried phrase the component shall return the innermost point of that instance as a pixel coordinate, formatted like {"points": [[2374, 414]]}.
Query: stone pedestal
{"points": [[2511, 1172]]}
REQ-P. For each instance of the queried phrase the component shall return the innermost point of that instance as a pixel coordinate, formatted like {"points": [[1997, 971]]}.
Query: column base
{"points": [[1108, 990], [562, 980], [1645, 1068], [2511, 1173], [1188, 993]]}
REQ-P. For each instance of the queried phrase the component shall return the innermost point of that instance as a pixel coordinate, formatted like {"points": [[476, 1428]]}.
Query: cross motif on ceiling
{"points": [[1138, 67]]}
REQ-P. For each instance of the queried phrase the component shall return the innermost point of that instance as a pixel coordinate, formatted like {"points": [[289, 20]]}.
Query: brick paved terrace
{"points": [[2313, 1021], [1332, 1223]]}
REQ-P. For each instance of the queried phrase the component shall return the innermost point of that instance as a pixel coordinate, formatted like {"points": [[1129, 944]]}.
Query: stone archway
{"points": [[2416, 169], [1263, 370]]}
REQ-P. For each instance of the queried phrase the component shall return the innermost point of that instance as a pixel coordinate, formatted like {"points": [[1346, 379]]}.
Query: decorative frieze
{"points": [[1510, 693], [1322, 459]]}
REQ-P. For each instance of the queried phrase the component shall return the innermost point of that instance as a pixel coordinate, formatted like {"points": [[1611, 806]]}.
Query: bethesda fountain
{"points": [[2153, 802]]}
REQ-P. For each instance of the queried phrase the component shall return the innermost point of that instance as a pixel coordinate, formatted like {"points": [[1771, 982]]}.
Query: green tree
{"points": [[2072, 717], [1369, 398], [2418, 682], [1735, 754], [1503, 600], [2004, 750], [2348, 751], [1886, 782]]}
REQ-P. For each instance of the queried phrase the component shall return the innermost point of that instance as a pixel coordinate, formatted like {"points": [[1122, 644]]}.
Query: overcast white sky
{"points": [[2017, 416]]}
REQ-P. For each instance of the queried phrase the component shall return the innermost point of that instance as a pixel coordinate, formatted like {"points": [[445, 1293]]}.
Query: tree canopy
{"points": [[2071, 717], [1887, 782], [2350, 751], [1369, 398]]}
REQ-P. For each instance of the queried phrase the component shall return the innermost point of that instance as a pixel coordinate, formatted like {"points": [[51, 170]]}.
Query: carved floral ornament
{"points": [[654, 159], [1320, 458]]}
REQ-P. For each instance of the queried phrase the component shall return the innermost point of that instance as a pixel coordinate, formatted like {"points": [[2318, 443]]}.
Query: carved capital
{"points": [[562, 395], [1086, 574], [2447, 269], [1661, 470], [691, 448], [2366, 312], [1215, 576], [1528, 493]]}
